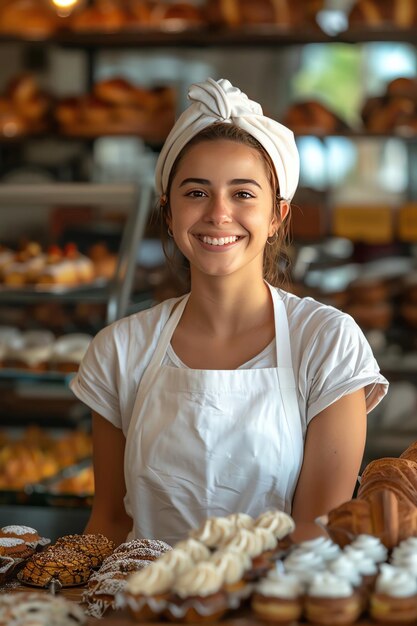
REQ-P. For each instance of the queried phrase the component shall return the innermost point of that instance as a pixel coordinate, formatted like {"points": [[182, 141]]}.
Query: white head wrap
{"points": [[218, 101]]}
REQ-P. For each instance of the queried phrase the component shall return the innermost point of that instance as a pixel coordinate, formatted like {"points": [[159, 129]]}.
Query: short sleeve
{"points": [[96, 381], [341, 362]]}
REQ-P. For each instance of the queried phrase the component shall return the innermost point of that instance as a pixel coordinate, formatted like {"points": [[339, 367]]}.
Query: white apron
{"points": [[211, 442]]}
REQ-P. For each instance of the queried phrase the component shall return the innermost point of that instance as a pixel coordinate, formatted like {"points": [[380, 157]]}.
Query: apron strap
{"points": [[282, 331]]}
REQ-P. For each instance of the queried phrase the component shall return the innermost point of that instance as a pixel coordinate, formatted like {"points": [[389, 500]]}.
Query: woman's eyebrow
{"points": [[244, 181], [199, 181], [235, 181]]}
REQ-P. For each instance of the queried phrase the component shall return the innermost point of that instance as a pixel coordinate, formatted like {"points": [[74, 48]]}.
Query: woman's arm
{"points": [[108, 515], [333, 454]]}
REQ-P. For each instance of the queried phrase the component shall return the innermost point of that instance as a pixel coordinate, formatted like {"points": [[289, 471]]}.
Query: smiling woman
{"points": [[238, 397]]}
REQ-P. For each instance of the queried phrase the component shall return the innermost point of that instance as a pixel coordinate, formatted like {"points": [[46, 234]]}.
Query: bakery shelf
{"points": [[206, 37], [259, 35], [36, 377]]}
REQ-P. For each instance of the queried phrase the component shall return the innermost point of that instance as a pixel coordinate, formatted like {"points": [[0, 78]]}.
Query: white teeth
{"points": [[213, 241]]}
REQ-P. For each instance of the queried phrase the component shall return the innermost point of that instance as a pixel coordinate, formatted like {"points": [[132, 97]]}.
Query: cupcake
{"points": [[371, 546], [366, 567], [214, 532], [278, 599], [331, 601], [254, 545], [323, 546], [280, 523], [345, 568], [405, 560], [303, 564], [147, 591], [198, 595], [197, 550], [241, 520], [178, 561], [232, 564], [394, 600]]}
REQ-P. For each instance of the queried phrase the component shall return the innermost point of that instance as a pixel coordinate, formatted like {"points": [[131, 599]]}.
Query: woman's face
{"points": [[221, 205]]}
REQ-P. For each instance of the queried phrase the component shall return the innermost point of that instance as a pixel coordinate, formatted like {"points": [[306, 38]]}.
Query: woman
{"points": [[238, 396]]}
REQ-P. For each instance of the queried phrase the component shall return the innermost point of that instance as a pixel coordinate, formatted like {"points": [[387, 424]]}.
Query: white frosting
{"points": [[410, 543], [154, 579], [405, 560], [372, 546], [395, 582], [323, 546], [214, 532], [11, 542], [269, 540], [364, 565], [241, 520], [232, 564], [18, 530], [303, 560], [177, 560], [328, 585], [343, 567], [278, 522], [202, 580], [246, 541], [197, 550], [285, 586]]}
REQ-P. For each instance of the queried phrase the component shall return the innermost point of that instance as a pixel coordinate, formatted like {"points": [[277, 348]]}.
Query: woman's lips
{"points": [[218, 244]]}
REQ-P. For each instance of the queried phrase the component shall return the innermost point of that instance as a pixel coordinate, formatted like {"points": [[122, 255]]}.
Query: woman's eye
{"points": [[195, 193], [244, 194]]}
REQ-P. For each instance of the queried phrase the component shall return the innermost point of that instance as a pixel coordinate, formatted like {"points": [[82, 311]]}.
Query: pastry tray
{"points": [[45, 492], [49, 493], [53, 289]]}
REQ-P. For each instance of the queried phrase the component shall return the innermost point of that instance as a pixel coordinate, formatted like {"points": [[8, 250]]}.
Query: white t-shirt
{"points": [[330, 356]]}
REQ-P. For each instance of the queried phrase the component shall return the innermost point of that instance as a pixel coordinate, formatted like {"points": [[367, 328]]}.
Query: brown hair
{"points": [[275, 262]]}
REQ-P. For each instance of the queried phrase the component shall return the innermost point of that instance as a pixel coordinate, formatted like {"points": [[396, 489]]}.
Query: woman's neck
{"points": [[228, 306]]}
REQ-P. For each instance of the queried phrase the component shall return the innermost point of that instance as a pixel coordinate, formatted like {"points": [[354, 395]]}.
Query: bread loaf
{"points": [[410, 453], [397, 475], [382, 514]]}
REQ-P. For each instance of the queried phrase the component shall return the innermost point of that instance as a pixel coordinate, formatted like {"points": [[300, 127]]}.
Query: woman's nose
{"points": [[218, 211]]}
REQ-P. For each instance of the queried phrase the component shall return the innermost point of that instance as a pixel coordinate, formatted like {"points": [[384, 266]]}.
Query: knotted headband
{"points": [[218, 101]]}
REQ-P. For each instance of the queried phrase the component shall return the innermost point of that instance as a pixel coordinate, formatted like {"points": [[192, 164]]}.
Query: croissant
{"points": [[410, 453], [382, 514], [397, 475]]}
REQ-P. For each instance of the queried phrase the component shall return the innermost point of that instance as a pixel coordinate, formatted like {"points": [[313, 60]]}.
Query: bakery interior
{"points": [[88, 92]]}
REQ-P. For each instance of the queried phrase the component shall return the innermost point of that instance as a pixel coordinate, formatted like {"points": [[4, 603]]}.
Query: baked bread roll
{"points": [[381, 13], [102, 16], [410, 453], [312, 116], [397, 475], [241, 12], [28, 18], [382, 514]]}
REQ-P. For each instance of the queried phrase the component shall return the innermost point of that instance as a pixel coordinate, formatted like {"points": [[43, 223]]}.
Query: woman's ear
{"points": [[283, 208]]}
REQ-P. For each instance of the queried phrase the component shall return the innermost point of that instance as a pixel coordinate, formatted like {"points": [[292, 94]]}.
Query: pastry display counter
{"points": [[242, 617]]}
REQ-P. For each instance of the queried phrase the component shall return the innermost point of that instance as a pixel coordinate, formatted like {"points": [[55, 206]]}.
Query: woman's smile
{"points": [[221, 243]]}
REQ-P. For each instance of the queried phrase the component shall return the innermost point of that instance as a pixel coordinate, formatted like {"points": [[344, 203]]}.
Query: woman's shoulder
{"points": [[138, 328], [311, 312]]}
